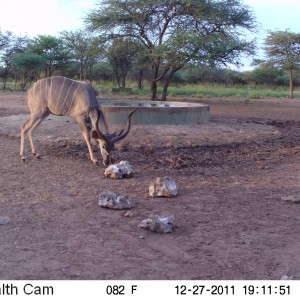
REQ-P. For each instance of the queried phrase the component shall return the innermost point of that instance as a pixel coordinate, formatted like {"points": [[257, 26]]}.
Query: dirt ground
{"points": [[230, 220]]}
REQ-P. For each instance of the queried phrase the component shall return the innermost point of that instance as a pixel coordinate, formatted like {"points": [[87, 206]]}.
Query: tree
{"points": [[5, 38], [283, 51], [14, 46], [52, 49], [83, 48], [26, 65], [177, 32], [265, 74], [121, 54]]}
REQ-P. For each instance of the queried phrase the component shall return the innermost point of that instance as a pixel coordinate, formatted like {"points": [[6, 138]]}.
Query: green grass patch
{"points": [[211, 91], [203, 90]]}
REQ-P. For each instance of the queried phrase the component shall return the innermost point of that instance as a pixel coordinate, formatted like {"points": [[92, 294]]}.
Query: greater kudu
{"points": [[66, 97]]}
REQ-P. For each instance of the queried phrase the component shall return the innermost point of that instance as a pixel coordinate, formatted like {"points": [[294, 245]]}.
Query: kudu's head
{"points": [[106, 142]]}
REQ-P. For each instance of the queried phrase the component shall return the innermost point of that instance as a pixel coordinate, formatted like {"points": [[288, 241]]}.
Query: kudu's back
{"points": [[62, 96]]}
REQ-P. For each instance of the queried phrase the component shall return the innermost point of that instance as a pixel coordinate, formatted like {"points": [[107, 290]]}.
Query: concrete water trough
{"points": [[155, 112]]}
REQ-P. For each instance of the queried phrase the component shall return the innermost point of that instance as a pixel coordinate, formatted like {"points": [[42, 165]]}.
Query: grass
{"points": [[202, 90], [212, 91]]}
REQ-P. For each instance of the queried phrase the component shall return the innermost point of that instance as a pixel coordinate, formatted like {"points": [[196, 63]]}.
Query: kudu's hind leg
{"points": [[24, 130], [29, 126]]}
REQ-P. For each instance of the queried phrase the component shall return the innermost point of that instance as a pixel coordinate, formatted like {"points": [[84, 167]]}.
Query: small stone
{"points": [[291, 198], [161, 224], [163, 187], [286, 277], [118, 171], [113, 172], [248, 241], [4, 220], [128, 214], [111, 200]]}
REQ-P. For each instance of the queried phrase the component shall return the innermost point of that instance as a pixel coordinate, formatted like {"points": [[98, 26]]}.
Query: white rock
{"points": [[286, 277], [291, 198], [128, 214], [163, 187], [111, 200], [4, 220], [161, 224], [113, 172], [118, 171]]}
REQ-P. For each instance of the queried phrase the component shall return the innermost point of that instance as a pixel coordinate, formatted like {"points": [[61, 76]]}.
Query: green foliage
{"points": [[52, 49], [203, 91], [84, 49], [121, 54], [5, 38], [266, 74], [102, 71], [177, 32], [283, 51], [25, 65]]}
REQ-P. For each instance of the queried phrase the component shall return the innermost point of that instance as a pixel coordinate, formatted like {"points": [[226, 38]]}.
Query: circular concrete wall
{"points": [[155, 112]]}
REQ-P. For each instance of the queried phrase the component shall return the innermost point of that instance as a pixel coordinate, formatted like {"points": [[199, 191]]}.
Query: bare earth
{"points": [[230, 220]]}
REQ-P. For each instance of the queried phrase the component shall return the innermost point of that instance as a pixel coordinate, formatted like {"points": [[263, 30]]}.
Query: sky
{"points": [[50, 17]]}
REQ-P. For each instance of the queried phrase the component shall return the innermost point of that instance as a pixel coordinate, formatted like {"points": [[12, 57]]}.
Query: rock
{"points": [[163, 187], [128, 214], [4, 220], [286, 277], [118, 171], [161, 224], [113, 172], [291, 198], [111, 200]]}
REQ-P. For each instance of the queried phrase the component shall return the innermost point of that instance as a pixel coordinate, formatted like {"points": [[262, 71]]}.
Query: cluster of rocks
{"points": [[160, 187]]}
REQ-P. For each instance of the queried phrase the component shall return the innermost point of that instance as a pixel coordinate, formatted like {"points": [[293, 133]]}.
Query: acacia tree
{"points": [[121, 54], [26, 66], [5, 38], [52, 49], [83, 48], [176, 32], [14, 46], [283, 51]]}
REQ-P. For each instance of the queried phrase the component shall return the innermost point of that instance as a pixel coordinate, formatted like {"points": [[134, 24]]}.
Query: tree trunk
{"points": [[154, 96], [165, 89], [140, 80], [291, 83], [123, 81], [166, 84]]}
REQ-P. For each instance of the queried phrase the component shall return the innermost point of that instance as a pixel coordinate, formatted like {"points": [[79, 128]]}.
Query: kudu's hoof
{"points": [[23, 160], [36, 155]]}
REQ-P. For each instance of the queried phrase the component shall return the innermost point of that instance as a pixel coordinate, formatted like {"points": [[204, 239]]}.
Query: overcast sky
{"points": [[53, 16]]}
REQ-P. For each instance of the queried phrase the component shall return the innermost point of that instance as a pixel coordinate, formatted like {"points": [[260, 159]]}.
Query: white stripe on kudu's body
{"points": [[80, 102]]}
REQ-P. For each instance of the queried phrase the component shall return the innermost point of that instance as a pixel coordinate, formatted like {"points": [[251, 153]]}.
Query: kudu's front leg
{"points": [[86, 134]]}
